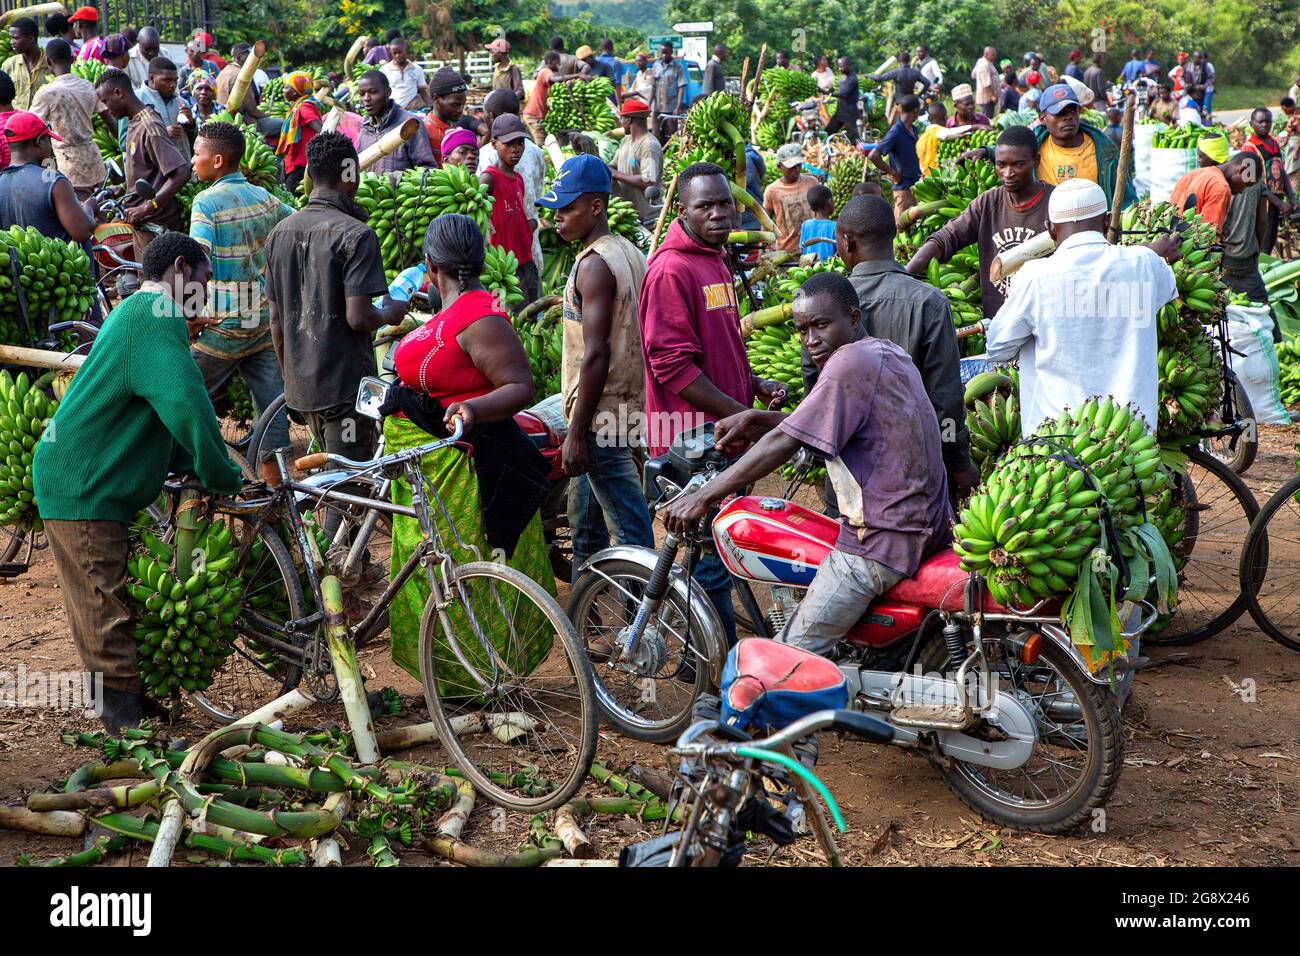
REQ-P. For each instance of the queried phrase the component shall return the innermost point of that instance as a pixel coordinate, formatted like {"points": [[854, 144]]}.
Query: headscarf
{"points": [[301, 84], [457, 136], [1214, 146]]}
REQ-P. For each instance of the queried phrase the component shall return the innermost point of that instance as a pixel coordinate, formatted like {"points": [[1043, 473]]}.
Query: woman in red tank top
{"points": [[471, 361], [467, 356]]}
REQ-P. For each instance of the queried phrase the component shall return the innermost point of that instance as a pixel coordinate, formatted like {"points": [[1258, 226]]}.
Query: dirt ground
{"points": [[1211, 776]]}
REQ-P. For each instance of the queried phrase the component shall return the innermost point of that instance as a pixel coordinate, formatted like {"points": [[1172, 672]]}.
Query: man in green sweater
{"points": [[136, 412]]}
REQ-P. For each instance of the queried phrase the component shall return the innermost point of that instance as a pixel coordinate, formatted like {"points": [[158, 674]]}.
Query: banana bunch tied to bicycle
{"points": [[992, 401], [778, 88], [25, 413], [184, 628], [845, 174], [56, 282], [1190, 367], [543, 341], [1034, 528], [719, 124]]}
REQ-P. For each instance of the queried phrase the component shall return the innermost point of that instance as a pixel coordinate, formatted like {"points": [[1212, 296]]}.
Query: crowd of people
{"points": [[290, 299]]}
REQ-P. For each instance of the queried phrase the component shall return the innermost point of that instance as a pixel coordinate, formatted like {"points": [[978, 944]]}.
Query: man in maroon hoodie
{"points": [[695, 362]]}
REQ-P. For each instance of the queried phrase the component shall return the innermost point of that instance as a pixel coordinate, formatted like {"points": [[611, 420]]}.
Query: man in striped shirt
{"points": [[231, 220]]}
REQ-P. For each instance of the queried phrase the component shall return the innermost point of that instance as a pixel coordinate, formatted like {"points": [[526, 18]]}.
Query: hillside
{"points": [[647, 16]]}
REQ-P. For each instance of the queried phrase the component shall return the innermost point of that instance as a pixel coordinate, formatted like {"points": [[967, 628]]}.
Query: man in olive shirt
{"points": [[323, 269], [639, 162], [505, 75]]}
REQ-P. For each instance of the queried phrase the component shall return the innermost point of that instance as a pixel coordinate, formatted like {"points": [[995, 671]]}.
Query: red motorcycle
{"points": [[997, 698]]}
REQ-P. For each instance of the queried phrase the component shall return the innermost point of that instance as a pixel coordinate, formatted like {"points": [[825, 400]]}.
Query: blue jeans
{"points": [[607, 496], [262, 373], [1209, 103], [712, 575]]}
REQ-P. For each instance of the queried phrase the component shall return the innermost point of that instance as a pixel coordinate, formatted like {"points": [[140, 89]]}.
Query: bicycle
{"points": [[499, 661], [1270, 575], [725, 791]]}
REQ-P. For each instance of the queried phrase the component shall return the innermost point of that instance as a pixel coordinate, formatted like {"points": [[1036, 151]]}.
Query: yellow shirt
{"points": [[927, 149], [26, 81], [1056, 165]]}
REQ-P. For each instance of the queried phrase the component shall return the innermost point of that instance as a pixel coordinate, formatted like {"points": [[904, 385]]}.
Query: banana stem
{"points": [[344, 655], [753, 206], [245, 78], [772, 315], [751, 238], [665, 215], [921, 211]]}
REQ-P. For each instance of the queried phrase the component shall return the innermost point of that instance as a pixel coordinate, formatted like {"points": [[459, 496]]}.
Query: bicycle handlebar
{"points": [[855, 722], [312, 462]]}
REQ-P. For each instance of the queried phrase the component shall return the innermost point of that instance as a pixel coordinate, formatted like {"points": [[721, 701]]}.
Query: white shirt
{"points": [[930, 70], [1083, 323], [406, 83], [825, 79], [137, 67], [532, 167], [1189, 115]]}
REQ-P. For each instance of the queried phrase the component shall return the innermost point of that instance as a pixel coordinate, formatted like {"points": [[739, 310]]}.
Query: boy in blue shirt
{"points": [[817, 235]]}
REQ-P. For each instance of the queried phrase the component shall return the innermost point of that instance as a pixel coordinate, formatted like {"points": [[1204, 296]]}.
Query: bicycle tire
{"points": [[257, 436], [440, 706], [290, 673], [1240, 458], [1255, 567], [12, 539], [613, 708], [1209, 539]]}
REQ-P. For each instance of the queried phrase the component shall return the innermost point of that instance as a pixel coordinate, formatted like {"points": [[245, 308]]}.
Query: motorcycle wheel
{"points": [[1076, 762], [654, 707]]}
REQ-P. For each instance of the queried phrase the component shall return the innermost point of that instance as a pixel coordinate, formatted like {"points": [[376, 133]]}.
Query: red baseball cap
{"points": [[633, 107], [24, 127], [89, 14]]}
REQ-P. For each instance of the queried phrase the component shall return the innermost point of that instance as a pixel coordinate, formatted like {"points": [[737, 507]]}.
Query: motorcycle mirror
{"points": [[653, 193], [370, 396], [114, 171], [144, 189]]}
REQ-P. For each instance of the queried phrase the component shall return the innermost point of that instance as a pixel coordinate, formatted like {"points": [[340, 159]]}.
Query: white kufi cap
{"points": [[1076, 200]]}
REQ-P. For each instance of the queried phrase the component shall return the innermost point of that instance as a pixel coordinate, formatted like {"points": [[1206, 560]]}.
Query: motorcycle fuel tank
{"points": [[772, 540]]}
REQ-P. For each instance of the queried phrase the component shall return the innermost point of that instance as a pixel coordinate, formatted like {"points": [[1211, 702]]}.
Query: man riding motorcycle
{"points": [[869, 419]]}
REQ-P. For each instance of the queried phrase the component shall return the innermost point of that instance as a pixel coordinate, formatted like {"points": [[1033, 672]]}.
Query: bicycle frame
{"points": [[405, 463]]}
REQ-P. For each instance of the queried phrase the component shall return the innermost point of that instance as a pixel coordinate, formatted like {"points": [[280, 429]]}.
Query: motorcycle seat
{"points": [[769, 684], [938, 583]]}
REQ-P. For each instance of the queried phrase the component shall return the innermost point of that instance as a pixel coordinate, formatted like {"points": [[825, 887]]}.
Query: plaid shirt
{"points": [[231, 220]]}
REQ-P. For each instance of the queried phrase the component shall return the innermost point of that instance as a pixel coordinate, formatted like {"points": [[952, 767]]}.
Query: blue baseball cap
{"points": [[1056, 98], [579, 175]]}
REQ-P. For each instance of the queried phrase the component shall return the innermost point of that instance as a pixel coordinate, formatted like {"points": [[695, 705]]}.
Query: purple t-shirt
{"points": [[867, 416], [377, 56]]}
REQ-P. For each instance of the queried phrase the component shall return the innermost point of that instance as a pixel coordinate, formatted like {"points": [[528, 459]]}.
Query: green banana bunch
{"points": [[718, 123], [787, 283], [184, 629], [399, 209], [543, 342], [501, 277], [1036, 519], [55, 279], [992, 402], [845, 175], [241, 399], [950, 149], [1189, 364], [774, 353], [580, 105], [272, 101], [1183, 137], [89, 70], [1288, 360], [959, 280], [105, 139], [778, 88], [25, 411]]}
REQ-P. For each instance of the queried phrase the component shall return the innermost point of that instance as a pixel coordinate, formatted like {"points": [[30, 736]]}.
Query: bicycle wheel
{"points": [[650, 698], [300, 438], [11, 540], [256, 673], [1270, 566], [1242, 456], [1219, 511], [528, 742]]}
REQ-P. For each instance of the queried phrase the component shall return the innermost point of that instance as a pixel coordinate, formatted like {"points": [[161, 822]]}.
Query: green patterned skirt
{"points": [[451, 472]]}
